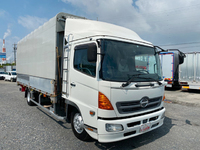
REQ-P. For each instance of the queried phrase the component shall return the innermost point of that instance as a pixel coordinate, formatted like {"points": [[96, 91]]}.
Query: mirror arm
{"points": [[183, 54], [99, 43], [161, 49]]}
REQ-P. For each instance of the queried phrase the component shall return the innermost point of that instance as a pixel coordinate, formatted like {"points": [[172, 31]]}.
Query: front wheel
{"points": [[77, 125]]}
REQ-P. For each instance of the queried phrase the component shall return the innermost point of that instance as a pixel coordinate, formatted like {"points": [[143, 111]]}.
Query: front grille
{"points": [[134, 106]]}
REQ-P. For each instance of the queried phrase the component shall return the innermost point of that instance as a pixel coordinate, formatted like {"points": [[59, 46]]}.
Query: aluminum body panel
{"points": [[37, 54], [42, 84], [24, 79], [190, 69], [198, 67]]}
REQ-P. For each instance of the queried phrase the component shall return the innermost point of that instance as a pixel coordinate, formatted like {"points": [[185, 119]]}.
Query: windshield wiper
{"points": [[151, 79], [129, 80]]}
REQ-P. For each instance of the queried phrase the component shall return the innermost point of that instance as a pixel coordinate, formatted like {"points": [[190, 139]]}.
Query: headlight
{"points": [[114, 127]]}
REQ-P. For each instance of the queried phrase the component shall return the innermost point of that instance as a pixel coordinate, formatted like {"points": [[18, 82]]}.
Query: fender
{"points": [[70, 106]]}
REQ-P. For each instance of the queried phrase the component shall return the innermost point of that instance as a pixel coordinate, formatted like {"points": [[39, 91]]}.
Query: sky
{"points": [[166, 23]]}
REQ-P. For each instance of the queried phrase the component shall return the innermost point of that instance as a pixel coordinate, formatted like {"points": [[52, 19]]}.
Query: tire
{"points": [[29, 102], [11, 80], [77, 125]]}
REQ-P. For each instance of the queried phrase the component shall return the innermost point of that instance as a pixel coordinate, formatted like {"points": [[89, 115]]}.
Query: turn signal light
{"points": [[163, 98], [104, 102]]}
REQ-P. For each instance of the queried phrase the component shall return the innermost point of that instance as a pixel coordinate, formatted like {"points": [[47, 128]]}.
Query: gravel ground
{"points": [[23, 127], [188, 98]]}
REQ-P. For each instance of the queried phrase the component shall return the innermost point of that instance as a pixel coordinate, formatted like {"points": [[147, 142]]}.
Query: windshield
{"points": [[123, 61], [14, 73]]}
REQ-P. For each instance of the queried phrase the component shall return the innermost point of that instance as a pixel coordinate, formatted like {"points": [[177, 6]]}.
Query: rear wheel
{"points": [[29, 102], [77, 125]]}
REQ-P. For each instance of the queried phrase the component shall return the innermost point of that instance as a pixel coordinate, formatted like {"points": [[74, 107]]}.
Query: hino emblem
{"points": [[144, 102]]}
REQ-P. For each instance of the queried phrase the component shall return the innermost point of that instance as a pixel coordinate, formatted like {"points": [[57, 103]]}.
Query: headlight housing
{"points": [[114, 127]]}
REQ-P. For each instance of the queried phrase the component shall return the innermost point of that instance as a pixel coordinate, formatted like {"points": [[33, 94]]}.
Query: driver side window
{"points": [[81, 62]]}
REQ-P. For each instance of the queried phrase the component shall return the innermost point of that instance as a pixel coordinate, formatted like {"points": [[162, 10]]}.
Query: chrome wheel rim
{"points": [[78, 123], [28, 97]]}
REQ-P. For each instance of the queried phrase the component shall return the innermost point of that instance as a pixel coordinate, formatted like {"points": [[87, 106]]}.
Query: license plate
{"points": [[168, 85], [145, 127]]}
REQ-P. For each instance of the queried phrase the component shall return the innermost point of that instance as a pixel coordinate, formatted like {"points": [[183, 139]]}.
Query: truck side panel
{"points": [[198, 68], [36, 55], [39, 56], [190, 71], [187, 68]]}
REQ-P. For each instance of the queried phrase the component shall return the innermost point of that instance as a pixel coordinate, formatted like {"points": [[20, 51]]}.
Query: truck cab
{"points": [[102, 78], [114, 80]]}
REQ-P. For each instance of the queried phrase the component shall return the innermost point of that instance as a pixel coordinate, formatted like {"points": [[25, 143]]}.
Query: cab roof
{"points": [[82, 28]]}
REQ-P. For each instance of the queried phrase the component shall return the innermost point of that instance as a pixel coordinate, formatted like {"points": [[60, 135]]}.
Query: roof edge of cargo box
{"points": [[57, 16], [92, 28]]}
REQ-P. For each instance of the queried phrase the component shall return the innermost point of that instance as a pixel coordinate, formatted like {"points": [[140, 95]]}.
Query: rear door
{"points": [[167, 60]]}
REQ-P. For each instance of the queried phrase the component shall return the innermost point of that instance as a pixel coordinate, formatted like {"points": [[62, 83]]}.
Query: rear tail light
{"points": [[169, 82], [183, 83]]}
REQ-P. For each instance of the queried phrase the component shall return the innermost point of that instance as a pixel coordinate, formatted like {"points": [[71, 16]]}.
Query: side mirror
{"points": [[181, 57], [92, 53]]}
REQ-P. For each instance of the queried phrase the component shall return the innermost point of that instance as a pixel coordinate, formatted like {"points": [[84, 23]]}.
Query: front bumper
{"points": [[131, 126], [13, 79]]}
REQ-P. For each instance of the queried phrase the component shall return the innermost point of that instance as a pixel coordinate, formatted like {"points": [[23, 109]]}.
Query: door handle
{"points": [[73, 84]]}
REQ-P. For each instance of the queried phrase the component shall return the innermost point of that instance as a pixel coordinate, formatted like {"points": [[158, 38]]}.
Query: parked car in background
{"points": [[11, 76], [3, 75]]}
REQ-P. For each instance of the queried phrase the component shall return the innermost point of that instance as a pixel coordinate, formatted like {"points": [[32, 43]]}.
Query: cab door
{"points": [[83, 83]]}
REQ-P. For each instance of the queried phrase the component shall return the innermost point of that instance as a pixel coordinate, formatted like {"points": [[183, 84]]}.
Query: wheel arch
{"points": [[70, 107]]}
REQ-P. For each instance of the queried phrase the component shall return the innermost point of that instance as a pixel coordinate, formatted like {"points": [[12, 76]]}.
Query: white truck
{"points": [[10, 76], [190, 71], [170, 61], [102, 78]]}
